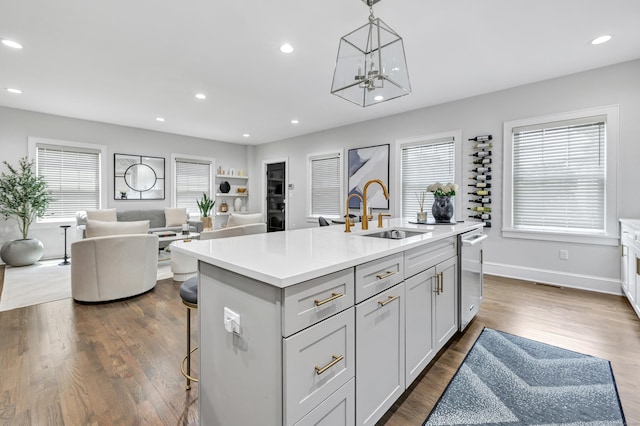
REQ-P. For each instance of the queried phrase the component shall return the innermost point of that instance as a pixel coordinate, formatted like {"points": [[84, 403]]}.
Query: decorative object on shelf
{"points": [[442, 208], [143, 175], [481, 168], [23, 196], [365, 164], [225, 187], [205, 206], [237, 204], [241, 190], [224, 207], [421, 215], [374, 54]]}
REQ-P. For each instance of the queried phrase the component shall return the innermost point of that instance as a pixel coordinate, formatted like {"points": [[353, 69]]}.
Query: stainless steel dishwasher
{"points": [[470, 273]]}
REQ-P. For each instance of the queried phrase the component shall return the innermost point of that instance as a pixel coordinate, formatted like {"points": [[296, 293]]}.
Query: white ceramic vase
{"points": [[237, 204]]}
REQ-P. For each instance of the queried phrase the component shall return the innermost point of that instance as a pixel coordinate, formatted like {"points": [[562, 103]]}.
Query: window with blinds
{"points": [[559, 176], [325, 185], [73, 179], [192, 179], [423, 164]]}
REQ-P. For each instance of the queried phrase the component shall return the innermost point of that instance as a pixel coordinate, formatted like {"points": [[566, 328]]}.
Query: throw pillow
{"points": [[244, 219], [99, 228], [175, 217], [105, 215]]}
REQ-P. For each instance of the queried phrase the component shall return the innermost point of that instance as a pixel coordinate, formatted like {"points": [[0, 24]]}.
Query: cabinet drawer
{"points": [[317, 362], [337, 410], [310, 302], [424, 257], [378, 275]]}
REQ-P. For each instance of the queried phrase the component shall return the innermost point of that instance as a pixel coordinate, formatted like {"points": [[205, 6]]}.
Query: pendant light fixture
{"points": [[371, 66]]}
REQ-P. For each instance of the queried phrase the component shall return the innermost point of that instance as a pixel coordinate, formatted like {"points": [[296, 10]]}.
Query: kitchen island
{"points": [[318, 326]]}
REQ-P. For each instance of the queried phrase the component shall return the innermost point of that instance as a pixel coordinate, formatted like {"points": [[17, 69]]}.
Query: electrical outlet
{"points": [[564, 254], [231, 321]]}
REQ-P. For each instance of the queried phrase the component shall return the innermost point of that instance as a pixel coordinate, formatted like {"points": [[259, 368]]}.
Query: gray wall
{"points": [[589, 266], [17, 125]]}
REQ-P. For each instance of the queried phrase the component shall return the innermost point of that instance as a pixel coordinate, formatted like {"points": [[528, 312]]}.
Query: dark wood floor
{"points": [[67, 364]]}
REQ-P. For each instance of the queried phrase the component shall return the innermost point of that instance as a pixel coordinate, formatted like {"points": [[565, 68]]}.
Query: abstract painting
{"points": [[368, 163]]}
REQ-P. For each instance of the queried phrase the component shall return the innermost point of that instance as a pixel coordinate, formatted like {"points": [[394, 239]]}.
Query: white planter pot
{"points": [[22, 252]]}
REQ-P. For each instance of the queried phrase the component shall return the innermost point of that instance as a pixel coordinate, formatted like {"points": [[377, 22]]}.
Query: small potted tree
{"points": [[23, 197], [206, 205]]}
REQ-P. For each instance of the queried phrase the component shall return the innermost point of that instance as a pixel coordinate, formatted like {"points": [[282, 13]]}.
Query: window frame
{"points": [[610, 233], [429, 139], [311, 218], [174, 187], [32, 150]]}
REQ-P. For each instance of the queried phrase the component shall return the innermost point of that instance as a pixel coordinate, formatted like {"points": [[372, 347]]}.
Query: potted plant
{"points": [[23, 196], [205, 206], [442, 208]]}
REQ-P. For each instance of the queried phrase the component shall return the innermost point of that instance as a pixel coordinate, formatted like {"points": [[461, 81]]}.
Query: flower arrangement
{"points": [[439, 189]]}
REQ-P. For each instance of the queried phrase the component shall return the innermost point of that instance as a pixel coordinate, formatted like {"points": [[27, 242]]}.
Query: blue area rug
{"points": [[509, 380]]}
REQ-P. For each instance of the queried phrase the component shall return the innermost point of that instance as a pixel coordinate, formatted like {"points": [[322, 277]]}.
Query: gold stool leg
{"points": [[187, 357]]}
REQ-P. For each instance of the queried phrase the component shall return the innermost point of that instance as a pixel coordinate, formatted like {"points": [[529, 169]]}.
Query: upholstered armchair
{"points": [[237, 225], [110, 267]]}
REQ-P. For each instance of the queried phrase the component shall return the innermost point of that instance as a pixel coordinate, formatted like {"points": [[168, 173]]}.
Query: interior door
{"points": [[276, 203]]}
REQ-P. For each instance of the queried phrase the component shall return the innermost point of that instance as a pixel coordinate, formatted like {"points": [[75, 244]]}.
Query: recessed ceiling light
{"points": [[201, 96], [11, 43], [294, 121], [378, 98], [160, 119], [246, 135], [286, 48], [16, 91], [601, 39]]}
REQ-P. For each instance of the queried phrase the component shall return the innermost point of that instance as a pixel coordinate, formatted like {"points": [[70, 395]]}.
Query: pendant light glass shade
{"points": [[371, 66]]}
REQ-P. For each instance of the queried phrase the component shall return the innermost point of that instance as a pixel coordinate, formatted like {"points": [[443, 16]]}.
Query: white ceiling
{"points": [[127, 62]]}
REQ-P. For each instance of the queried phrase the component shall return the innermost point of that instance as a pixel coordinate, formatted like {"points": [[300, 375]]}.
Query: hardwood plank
{"points": [[63, 363]]}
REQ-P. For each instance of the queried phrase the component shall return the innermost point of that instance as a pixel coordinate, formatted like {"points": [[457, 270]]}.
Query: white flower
{"points": [[440, 189]]}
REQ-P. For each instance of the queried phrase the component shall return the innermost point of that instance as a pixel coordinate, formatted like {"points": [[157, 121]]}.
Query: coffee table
{"points": [[165, 253]]}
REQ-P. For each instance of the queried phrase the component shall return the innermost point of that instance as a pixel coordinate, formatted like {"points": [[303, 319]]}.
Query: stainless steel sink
{"points": [[393, 234]]}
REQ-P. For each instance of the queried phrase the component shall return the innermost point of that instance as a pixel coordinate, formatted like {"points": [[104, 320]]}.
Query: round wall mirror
{"points": [[140, 177]]}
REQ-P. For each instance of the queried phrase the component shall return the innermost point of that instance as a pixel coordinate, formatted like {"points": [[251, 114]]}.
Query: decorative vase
{"points": [[442, 209], [207, 223], [237, 204], [421, 217], [22, 252]]}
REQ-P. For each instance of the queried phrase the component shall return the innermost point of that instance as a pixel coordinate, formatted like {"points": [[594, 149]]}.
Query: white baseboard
{"points": [[561, 279]]}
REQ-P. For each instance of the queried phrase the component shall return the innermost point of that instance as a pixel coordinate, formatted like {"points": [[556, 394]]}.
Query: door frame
{"points": [[284, 160]]}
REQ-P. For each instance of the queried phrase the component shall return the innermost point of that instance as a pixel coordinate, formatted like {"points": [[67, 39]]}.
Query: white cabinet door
{"points": [[419, 290], [337, 410], [625, 246], [380, 341], [446, 305]]}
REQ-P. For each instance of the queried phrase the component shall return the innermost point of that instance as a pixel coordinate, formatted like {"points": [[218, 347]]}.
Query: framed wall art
{"points": [[368, 163], [138, 177]]}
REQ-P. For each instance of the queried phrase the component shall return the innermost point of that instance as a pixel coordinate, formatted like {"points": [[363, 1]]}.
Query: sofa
{"points": [[238, 225], [167, 219], [115, 261]]}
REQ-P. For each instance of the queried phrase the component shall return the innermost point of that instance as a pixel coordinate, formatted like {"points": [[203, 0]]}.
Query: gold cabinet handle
{"points": [[637, 266], [336, 359], [385, 275], [440, 281], [437, 278], [334, 296], [389, 300]]}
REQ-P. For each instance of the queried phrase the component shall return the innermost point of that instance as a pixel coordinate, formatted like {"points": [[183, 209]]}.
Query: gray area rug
{"points": [[510, 380]]}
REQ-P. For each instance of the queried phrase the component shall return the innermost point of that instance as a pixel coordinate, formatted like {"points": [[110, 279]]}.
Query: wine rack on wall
{"points": [[480, 179]]}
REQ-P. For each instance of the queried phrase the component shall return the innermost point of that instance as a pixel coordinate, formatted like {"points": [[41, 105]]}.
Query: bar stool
{"points": [[189, 295]]}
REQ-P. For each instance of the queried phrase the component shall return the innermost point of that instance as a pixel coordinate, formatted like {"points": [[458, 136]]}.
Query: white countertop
{"points": [[286, 258]]}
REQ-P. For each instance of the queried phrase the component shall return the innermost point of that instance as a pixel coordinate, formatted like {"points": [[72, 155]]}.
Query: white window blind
{"points": [[559, 172], [423, 164], [325, 186], [73, 179], [193, 178]]}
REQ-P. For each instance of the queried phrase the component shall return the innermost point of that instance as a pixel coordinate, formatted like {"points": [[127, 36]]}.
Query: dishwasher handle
{"points": [[476, 239]]}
